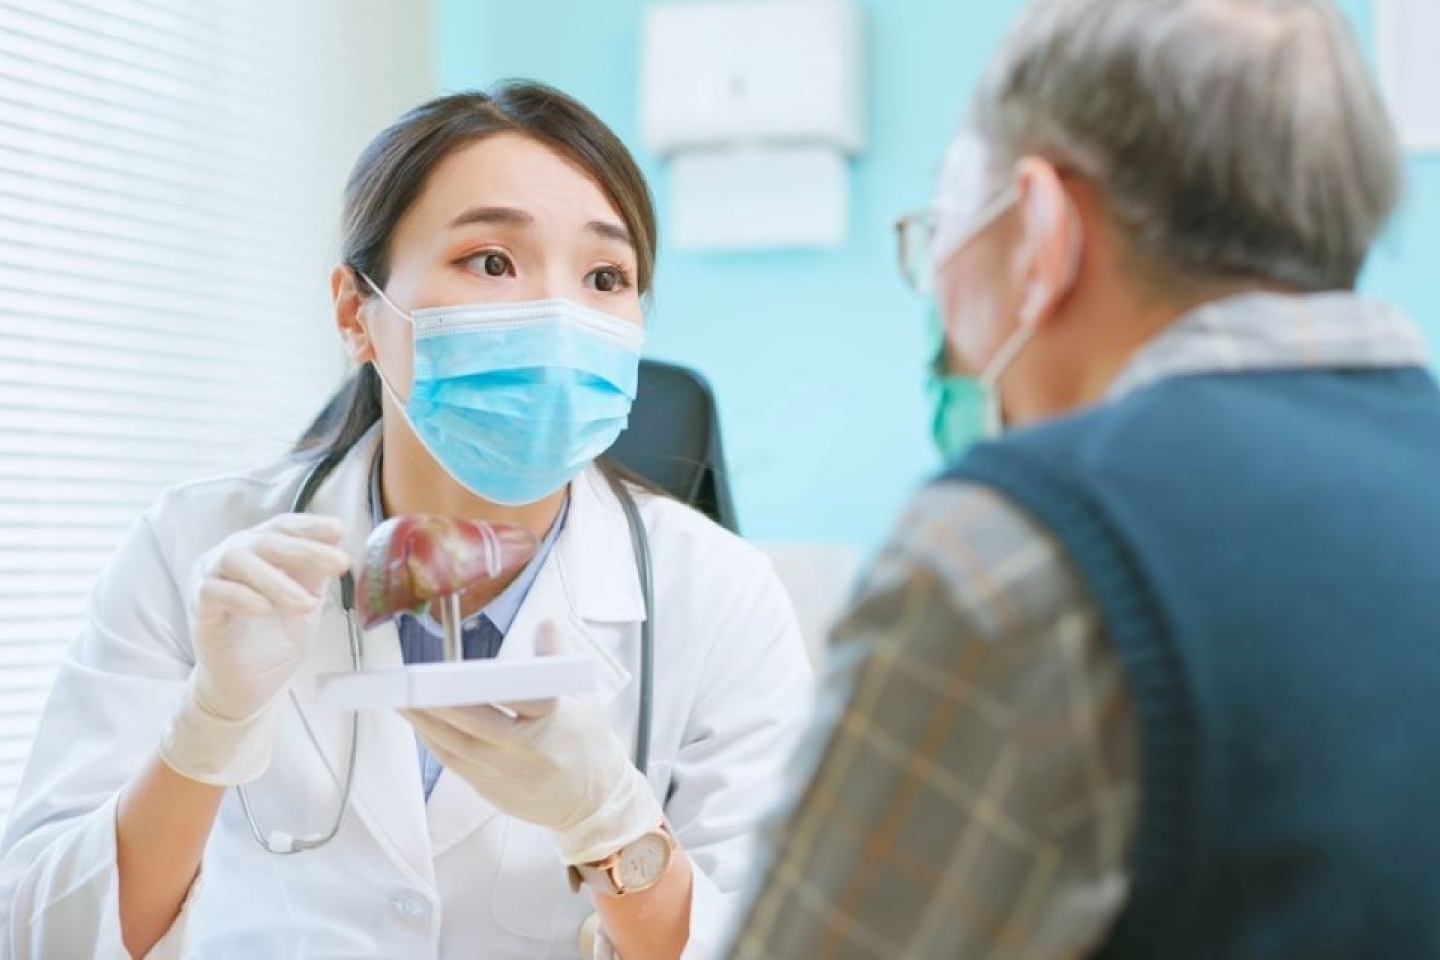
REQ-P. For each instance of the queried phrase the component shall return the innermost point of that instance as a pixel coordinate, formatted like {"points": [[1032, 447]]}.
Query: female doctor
{"points": [[495, 253]]}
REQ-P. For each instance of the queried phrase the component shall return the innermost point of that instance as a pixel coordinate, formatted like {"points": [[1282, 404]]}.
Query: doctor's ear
{"points": [[349, 314], [1047, 259]]}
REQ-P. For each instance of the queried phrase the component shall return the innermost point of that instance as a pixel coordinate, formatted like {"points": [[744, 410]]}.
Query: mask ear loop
{"points": [[988, 214], [990, 377], [375, 361]]}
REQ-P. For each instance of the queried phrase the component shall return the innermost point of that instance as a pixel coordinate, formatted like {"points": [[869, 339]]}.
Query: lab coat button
{"points": [[411, 906]]}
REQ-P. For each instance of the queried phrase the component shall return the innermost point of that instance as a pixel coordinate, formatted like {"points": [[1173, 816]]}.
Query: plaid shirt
{"points": [[971, 778]]}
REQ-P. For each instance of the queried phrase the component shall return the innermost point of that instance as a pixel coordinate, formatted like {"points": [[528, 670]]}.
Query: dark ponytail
{"points": [[346, 417]]}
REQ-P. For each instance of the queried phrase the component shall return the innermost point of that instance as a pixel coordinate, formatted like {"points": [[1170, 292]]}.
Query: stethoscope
{"points": [[282, 844]]}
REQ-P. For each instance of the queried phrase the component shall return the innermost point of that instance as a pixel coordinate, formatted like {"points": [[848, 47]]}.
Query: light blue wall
{"points": [[1403, 269], [817, 357]]}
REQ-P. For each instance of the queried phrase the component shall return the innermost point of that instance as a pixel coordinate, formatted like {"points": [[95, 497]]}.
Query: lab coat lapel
{"points": [[596, 611], [387, 793], [589, 587]]}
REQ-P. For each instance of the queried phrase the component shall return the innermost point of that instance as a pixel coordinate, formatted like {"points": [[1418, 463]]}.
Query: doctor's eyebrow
{"points": [[514, 217], [610, 231], [501, 216]]}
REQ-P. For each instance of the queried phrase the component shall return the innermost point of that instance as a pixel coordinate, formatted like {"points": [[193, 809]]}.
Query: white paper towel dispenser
{"points": [[757, 105]]}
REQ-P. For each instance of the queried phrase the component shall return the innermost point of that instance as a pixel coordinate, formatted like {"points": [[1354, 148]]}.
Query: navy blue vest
{"points": [[1264, 550]]}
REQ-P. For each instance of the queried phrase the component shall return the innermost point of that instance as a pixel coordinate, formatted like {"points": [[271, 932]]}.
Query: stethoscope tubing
{"points": [[282, 844]]}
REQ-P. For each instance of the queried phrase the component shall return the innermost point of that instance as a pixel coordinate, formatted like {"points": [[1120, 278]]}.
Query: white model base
{"points": [[458, 684]]}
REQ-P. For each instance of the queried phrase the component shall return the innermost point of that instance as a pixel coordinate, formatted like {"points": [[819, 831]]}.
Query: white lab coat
{"points": [[403, 879]]}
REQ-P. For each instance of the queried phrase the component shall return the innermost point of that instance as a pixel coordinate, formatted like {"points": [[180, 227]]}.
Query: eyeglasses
{"points": [[914, 237]]}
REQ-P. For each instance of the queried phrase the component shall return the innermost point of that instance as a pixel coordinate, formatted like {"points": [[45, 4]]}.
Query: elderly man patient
{"points": [[1154, 670]]}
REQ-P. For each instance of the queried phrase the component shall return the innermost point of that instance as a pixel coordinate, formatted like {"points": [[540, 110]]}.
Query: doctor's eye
{"points": [[491, 263], [607, 279]]}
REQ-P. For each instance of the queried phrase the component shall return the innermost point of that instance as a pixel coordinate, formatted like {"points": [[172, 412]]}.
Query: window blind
{"points": [[170, 178]]}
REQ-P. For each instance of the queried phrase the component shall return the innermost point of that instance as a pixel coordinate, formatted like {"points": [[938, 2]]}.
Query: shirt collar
{"points": [[1271, 331], [504, 608]]}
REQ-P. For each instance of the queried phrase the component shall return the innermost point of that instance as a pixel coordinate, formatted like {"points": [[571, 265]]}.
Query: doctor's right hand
{"points": [[257, 600]]}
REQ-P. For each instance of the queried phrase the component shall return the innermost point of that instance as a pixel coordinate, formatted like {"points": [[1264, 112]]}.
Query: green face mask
{"points": [[961, 404]]}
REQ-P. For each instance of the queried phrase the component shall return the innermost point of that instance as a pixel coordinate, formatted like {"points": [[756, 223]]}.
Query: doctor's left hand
{"points": [[556, 764]]}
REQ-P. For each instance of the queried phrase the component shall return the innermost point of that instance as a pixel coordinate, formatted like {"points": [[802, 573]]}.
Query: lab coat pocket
{"points": [[532, 893]]}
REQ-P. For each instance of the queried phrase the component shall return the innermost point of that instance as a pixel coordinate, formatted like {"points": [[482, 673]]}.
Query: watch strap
{"points": [[601, 875]]}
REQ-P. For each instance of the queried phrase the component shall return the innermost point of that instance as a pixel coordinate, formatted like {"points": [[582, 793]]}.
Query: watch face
{"points": [[642, 862]]}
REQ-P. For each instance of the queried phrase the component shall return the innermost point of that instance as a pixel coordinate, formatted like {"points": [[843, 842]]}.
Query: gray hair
{"points": [[1230, 138]]}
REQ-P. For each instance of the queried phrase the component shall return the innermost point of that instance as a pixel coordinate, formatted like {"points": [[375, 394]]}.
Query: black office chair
{"points": [[673, 440]]}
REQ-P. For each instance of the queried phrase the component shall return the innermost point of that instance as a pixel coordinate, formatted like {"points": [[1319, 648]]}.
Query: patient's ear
{"points": [[1047, 260], [349, 314]]}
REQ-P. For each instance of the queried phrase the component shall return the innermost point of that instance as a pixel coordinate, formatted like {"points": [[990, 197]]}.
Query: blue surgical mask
{"points": [[514, 400]]}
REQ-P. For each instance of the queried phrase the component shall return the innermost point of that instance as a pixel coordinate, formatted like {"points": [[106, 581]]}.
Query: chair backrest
{"points": [[674, 440]]}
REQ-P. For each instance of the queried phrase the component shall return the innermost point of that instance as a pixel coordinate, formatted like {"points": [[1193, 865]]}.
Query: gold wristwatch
{"points": [[634, 868]]}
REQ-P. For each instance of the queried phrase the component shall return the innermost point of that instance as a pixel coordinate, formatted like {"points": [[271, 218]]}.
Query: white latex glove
{"points": [[556, 764], [257, 605]]}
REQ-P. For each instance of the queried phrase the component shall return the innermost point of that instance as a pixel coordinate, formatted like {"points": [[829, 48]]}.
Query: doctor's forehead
{"points": [[510, 180]]}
